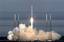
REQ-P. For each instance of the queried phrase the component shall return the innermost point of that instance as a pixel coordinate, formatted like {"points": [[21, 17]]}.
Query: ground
{"points": [[5, 39]]}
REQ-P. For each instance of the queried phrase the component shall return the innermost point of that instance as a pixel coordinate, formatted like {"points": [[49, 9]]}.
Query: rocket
{"points": [[31, 19]]}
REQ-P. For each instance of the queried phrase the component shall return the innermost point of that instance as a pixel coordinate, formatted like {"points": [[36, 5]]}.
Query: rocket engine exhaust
{"points": [[29, 33], [25, 33]]}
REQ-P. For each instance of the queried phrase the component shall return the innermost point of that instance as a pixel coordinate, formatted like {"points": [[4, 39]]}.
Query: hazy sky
{"points": [[23, 5], [39, 5]]}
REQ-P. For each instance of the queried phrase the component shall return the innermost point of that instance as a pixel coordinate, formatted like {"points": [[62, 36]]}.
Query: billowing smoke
{"points": [[25, 33]]}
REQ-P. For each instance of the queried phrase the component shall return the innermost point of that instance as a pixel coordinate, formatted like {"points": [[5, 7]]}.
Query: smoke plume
{"points": [[25, 33]]}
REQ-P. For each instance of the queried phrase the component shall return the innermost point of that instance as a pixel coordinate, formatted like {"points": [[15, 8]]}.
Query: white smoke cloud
{"points": [[10, 35], [25, 33]]}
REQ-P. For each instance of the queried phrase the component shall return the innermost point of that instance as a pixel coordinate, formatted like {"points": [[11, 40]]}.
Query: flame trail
{"points": [[31, 19]]}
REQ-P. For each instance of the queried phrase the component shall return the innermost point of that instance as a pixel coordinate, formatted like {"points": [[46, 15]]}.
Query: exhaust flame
{"points": [[25, 33], [31, 21]]}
